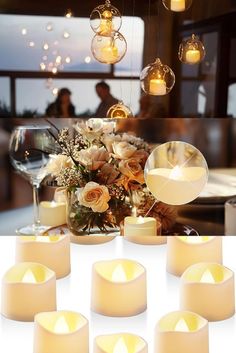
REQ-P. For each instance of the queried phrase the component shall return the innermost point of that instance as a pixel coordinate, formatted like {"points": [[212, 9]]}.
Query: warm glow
{"points": [[193, 56], [69, 13], [54, 70], [87, 59], [105, 27], [207, 277], [157, 87], [120, 346], [177, 5], [58, 59], [49, 27], [67, 59], [55, 91], [42, 66], [45, 46], [176, 173], [107, 14], [119, 274], [109, 53], [66, 35], [181, 326], [140, 220], [195, 239], [29, 277], [61, 326], [24, 31], [31, 44]]}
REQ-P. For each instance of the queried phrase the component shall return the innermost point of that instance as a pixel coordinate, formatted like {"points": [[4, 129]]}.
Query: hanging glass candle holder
{"points": [[105, 18], [109, 49], [157, 79], [119, 111], [177, 5], [191, 51]]}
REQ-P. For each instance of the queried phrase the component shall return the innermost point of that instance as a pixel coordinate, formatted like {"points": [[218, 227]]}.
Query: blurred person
{"points": [[62, 107], [107, 100]]}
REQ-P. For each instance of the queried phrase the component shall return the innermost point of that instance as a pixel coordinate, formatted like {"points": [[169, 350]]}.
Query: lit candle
{"points": [[184, 251], [176, 186], [52, 213], [109, 53], [105, 27], [140, 226], [157, 87], [193, 56], [51, 251], [177, 5], [27, 289], [208, 289], [61, 332], [118, 288], [120, 343], [182, 332]]}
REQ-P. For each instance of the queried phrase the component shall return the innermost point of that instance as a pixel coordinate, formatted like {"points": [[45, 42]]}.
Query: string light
{"points": [[66, 35], [45, 46], [68, 60], [69, 13], [24, 31]]}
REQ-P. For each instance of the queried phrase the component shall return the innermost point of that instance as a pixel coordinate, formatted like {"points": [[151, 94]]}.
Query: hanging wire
{"points": [[131, 58]]}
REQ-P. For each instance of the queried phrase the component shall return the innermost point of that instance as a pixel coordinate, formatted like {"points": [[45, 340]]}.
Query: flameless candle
{"points": [[208, 289], [193, 56], [140, 226], [52, 214], [184, 251], [120, 343], [27, 289], [51, 251], [157, 87], [61, 332], [109, 53], [105, 27], [177, 5], [182, 332], [230, 217], [176, 186], [118, 288]]}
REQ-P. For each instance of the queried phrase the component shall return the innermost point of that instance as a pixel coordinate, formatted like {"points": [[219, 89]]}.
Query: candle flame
{"points": [[182, 326], [120, 346], [207, 277], [119, 274], [29, 277], [176, 173], [61, 325]]}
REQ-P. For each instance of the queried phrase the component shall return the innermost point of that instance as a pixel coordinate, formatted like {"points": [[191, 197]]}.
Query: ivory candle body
{"points": [[51, 251], [193, 56], [182, 332], [177, 5], [120, 343], [176, 186], [61, 332], [184, 251], [118, 288], [109, 53], [27, 289], [208, 289], [140, 226], [157, 87], [52, 214]]}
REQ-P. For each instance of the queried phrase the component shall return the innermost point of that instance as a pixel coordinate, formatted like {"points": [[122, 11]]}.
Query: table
{"points": [[73, 293]]}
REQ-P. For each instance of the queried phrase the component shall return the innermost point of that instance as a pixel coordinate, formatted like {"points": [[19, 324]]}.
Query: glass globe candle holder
{"points": [[109, 49], [177, 5], [119, 111], [176, 173], [105, 19], [157, 79], [191, 51]]}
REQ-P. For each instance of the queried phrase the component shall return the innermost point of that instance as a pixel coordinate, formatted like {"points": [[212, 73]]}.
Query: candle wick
{"points": [[150, 208]]}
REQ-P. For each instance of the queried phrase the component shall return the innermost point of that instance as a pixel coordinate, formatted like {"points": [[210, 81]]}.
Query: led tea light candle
{"points": [[230, 217], [52, 251], [105, 27], [157, 87], [109, 53], [177, 5], [120, 343], [208, 289], [140, 226], [27, 289], [184, 251], [193, 56], [52, 214], [61, 332], [181, 332], [118, 288]]}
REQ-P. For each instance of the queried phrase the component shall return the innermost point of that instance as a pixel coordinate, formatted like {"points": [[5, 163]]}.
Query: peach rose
{"points": [[123, 150], [94, 196], [108, 174], [94, 157], [141, 156], [132, 169]]}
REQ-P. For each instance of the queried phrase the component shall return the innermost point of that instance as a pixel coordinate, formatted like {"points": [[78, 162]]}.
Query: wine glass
{"points": [[29, 151]]}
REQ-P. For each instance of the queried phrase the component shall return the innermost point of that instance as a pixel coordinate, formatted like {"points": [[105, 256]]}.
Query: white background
{"points": [[73, 293]]}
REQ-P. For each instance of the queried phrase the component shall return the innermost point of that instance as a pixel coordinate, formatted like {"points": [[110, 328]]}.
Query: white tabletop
{"points": [[73, 293]]}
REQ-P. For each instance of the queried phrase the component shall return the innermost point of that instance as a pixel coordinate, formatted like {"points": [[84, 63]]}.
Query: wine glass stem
{"points": [[36, 204]]}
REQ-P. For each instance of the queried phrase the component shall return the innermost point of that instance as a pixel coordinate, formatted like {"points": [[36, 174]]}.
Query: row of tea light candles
{"points": [[118, 289]]}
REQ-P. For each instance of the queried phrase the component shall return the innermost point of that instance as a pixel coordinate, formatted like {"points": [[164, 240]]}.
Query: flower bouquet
{"points": [[103, 173]]}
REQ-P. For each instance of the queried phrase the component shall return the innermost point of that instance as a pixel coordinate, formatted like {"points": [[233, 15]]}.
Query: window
{"points": [[4, 96]]}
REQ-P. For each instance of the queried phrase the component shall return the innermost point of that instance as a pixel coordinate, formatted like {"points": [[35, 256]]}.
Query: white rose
{"points": [[93, 157], [109, 139], [57, 163], [94, 196], [123, 150]]}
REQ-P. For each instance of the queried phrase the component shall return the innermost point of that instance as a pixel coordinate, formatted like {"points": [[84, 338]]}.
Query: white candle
{"points": [[52, 213], [157, 87], [208, 289], [51, 251], [61, 332], [176, 186], [184, 251], [182, 332], [140, 226], [230, 217], [118, 288], [193, 56], [60, 195], [109, 54], [27, 289], [177, 5], [120, 343]]}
